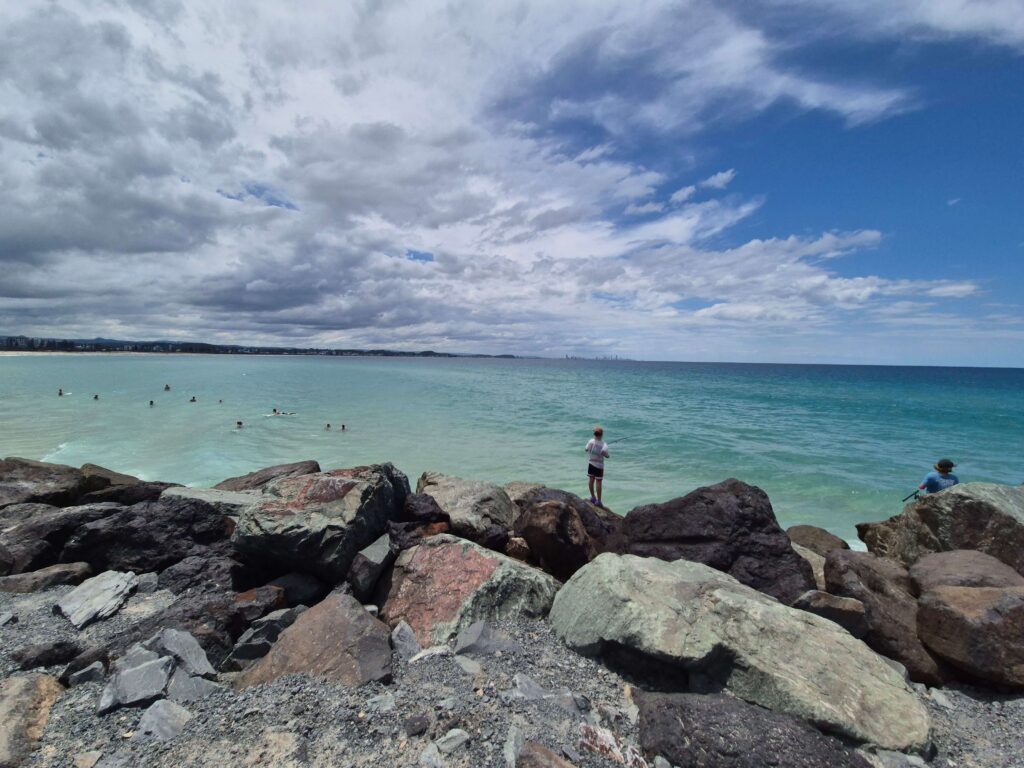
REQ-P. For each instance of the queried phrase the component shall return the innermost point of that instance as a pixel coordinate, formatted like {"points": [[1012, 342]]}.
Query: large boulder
{"points": [[479, 511], [226, 503], [25, 704], [261, 477], [563, 531], [719, 731], [97, 477], [317, 523], [844, 611], [24, 480], [203, 573], [445, 584], [890, 608], [666, 619], [337, 639], [816, 539], [982, 516], [127, 494], [979, 630], [962, 568], [150, 536], [38, 539], [729, 526]]}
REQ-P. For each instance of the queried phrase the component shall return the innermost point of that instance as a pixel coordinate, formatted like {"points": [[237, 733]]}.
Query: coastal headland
{"points": [[308, 616]]}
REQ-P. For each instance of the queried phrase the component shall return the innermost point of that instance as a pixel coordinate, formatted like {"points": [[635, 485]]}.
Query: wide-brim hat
{"points": [[944, 464]]}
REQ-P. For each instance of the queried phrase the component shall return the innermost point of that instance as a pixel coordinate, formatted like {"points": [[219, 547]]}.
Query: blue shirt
{"points": [[934, 482]]}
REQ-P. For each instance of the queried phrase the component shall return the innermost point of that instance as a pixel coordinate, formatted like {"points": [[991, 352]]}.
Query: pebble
{"points": [[452, 740]]}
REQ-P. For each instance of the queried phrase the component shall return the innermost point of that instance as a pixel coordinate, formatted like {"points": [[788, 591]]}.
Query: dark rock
{"points": [[38, 540], [184, 649], [94, 673], [46, 654], [162, 721], [19, 513], [719, 731], [730, 527], [257, 640], [564, 532], [317, 523], [24, 480], [8, 617], [261, 477], [982, 516], [416, 725], [127, 494], [148, 583], [150, 536], [367, 567], [92, 655], [6, 561], [184, 688], [25, 704], [301, 588], [44, 578], [979, 630], [422, 508], [844, 611], [962, 568], [137, 685], [408, 535], [335, 639], [97, 477], [256, 603], [516, 547], [818, 540], [478, 511], [884, 587], [201, 573]]}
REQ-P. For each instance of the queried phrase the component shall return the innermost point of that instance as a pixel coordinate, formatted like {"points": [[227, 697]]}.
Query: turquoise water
{"points": [[831, 445]]}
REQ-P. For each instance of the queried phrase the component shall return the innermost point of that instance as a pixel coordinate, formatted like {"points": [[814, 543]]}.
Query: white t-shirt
{"points": [[597, 451]]}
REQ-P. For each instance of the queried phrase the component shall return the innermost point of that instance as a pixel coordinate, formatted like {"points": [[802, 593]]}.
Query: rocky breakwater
{"points": [[297, 616]]}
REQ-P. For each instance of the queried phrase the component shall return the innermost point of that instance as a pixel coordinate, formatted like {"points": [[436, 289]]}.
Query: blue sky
{"points": [[779, 180]]}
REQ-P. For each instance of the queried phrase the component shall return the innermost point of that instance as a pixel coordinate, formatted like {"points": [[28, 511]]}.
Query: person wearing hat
{"points": [[940, 478]]}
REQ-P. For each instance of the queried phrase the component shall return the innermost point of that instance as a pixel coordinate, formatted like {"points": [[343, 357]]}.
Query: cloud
{"points": [[953, 201], [260, 175], [718, 180]]}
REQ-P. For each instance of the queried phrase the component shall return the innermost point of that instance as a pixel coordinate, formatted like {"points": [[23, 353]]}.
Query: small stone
{"points": [[481, 639], [373, 610], [383, 703], [162, 721], [941, 699], [431, 652], [7, 618], [403, 640], [661, 762], [452, 740], [524, 688], [431, 757], [513, 745], [96, 598], [470, 667], [185, 649], [137, 685], [91, 674], [416, 725], [87, 759]]}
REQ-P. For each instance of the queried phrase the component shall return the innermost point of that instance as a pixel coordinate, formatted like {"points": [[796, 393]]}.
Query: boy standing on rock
{"points": [[597, 452]]}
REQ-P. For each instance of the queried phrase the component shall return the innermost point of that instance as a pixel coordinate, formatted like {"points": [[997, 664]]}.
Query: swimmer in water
{"points": [[221, 402], [60, 392], [167, 387], [327, 428], [342, 427], [193, 399], [95, 397], [275, 412], [238, 425], [150, 403]]}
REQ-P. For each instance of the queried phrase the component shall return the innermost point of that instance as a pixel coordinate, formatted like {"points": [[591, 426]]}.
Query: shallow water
{"points": [[832, 445]]}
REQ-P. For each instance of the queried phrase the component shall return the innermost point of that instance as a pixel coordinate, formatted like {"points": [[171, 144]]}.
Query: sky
{"points": [[731, 180]]}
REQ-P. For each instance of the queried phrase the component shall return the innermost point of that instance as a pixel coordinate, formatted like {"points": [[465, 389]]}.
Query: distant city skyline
{"points": [[763, 181]]}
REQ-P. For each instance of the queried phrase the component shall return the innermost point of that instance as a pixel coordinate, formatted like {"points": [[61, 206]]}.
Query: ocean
{"points": [[831, 445]]}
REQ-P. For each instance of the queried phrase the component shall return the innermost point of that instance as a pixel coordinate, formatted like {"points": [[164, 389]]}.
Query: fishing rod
{"points": [[914, 495], [620, 439]]}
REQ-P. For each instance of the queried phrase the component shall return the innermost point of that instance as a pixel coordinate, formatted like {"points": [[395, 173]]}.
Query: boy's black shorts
{"points": [[595, 471]]}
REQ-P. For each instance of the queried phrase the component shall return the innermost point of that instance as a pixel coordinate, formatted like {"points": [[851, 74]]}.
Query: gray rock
{"points": [[185, 649], [524, 688], [679, 617], [513, 745], [368, 565], [44, 578], [229, 503], [470, 667], [93, 673], [430, 653], [137, 685], [431, 757], [403, 640], [373, 610], [847, 612], [135, 656], [452, 740], [7, 618], [661, 762], [481, 512], [97, 598], [383, 703], [163, 721], [257, 641], [184, 688], [261, 477], [148, 583], [481, 639]]}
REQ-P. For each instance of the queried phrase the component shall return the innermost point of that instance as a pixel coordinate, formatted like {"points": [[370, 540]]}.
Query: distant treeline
{"points": [[29, 344]]}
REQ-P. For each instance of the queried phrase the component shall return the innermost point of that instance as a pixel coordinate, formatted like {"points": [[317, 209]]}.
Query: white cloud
{"points": [[718, 180], [953, 201], [250, 173]]}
